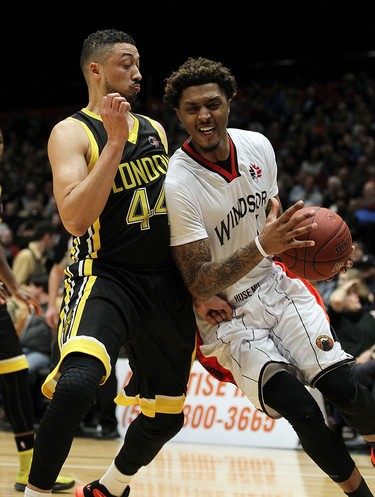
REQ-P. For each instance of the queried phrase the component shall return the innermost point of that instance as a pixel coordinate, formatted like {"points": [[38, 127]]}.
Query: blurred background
{"points": [[40, 46]]}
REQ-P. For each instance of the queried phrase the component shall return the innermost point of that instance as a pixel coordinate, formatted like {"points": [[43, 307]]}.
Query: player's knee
{"points": [[288, 396], [308, 421], [76, 390], [339, 386], [174, 425], [166, 426]]}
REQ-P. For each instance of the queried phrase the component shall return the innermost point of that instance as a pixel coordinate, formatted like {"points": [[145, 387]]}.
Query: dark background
{"points": [[40, 46]]}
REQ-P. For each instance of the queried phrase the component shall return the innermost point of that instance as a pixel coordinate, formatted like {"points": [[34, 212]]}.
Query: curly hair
{"points": [[99, 44], [196, 72]]}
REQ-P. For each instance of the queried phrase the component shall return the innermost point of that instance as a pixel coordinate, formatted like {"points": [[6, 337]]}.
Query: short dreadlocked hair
{"points": [[195, 72]]}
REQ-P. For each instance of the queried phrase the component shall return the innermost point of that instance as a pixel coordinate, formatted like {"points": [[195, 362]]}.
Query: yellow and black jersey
{"points": [[132, 231]]}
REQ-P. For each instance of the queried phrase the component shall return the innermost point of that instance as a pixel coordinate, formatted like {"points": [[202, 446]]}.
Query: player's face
{"points": [[204, 111], [121, 72]]}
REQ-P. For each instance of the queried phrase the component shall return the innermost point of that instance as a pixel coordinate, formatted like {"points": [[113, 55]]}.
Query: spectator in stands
{"points": [[366, 296], [367, 266], [36, 336], [360, 251], [29, 198], [313, 163], [55, 289], [333, 190], [7, 241], [355, 329], [33, 260], [10, 215], [363, 208], [326, 287], [306, 190], [36, 339]]}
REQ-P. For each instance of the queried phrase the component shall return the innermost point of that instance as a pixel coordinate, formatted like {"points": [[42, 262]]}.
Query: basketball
{"points": [[333, 246]]}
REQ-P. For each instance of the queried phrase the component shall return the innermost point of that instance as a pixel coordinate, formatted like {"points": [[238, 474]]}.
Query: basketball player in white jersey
{"points": [[226, 224]]}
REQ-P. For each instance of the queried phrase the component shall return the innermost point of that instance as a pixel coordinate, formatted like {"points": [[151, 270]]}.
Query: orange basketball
{"points": [[333, 246]]}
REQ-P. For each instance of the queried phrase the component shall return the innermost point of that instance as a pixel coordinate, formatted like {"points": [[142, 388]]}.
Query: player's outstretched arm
{"points": [[206, 278]]}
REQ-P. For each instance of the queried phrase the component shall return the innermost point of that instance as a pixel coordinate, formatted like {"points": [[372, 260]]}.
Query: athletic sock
{"points": [[362, 491], [114, 481], [33, 493]]}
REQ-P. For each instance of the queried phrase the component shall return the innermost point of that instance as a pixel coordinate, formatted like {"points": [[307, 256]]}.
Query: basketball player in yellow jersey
{"points": [[123, 288]]}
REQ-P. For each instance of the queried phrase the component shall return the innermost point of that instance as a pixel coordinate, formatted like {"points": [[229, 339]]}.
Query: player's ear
{"points": [[94, 69]]}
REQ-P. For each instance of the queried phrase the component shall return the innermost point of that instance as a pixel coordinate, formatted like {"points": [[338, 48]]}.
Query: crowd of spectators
{"points": [[322, 132]]}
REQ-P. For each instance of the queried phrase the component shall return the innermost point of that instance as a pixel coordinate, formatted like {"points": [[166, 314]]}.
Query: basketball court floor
{"points": [[196, 470]]}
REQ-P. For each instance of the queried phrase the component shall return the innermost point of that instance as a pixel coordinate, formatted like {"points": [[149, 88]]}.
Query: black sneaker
{"points": [[96, 489]]}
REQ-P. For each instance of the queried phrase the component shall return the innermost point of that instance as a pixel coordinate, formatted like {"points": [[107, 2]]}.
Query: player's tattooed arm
{"points": [[205, 278]]}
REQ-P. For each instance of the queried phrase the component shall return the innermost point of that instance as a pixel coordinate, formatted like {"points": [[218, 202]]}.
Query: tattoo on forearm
{"points": [[205, 278]]}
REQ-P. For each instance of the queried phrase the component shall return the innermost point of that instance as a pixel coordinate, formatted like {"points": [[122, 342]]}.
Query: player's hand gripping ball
{"points": [[333, 246]]}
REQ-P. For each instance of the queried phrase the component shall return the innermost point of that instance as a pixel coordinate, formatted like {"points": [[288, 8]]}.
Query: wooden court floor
{"points": [[192, 470]]}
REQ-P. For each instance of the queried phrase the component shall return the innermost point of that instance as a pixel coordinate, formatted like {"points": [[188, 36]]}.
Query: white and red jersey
{"points": [[279, 321], [228, 207]]}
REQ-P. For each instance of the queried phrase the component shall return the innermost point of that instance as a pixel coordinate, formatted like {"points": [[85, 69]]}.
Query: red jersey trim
{"points": [[228, 176]]}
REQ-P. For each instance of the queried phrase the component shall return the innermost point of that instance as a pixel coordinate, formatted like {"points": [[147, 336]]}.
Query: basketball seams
{"points": [[332, 249], [342, 222]]}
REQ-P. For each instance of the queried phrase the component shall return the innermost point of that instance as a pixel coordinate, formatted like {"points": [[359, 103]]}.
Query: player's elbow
{"points": [[75, 228]]}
